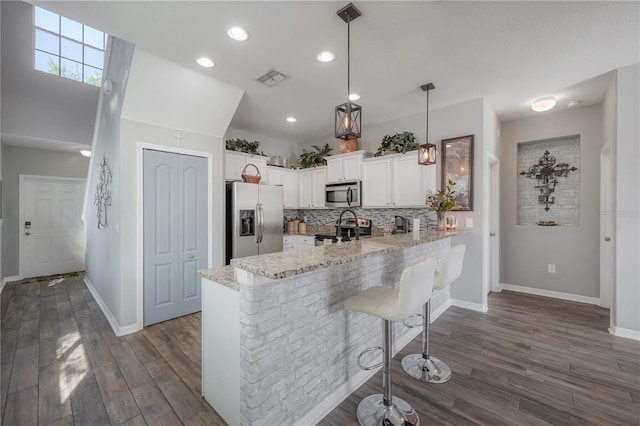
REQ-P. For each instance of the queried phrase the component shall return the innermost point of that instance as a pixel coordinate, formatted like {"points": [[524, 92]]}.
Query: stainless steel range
{"points": [[347, 230]]}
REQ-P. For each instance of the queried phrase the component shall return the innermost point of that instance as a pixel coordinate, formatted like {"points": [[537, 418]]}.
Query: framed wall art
{"points": [[457, 166]]}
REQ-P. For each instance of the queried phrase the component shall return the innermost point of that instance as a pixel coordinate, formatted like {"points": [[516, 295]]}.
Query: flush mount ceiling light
{"points": [[543, 104], [205, 62], [573, 103], [348, 118], [85, 152], [427, 152], [291, 119], [354, 97], [237, 33], [326, 56]]}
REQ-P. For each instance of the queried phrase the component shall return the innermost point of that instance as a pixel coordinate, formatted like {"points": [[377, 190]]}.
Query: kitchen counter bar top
{"points": [[287, 264]]}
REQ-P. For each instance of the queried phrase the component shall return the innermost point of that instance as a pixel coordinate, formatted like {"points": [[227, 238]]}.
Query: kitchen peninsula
{"points": [[278, 346]]}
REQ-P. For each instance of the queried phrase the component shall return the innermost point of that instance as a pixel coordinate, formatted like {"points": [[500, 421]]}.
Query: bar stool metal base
{"points": [[373, 412], [430, 370]]}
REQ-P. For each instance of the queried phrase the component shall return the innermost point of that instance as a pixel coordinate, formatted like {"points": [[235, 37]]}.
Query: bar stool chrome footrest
{"points": [[428, 370], [373, 412], [418, 318], [366, 351]]}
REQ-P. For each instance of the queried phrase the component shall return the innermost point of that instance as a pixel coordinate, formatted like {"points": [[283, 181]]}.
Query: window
{"points": [[68, 48]]}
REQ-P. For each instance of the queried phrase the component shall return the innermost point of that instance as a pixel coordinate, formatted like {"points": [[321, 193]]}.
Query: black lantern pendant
{"points": [[427, 152], [348, 119]]}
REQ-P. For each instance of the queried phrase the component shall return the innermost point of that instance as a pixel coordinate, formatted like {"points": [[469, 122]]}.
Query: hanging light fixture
{"points": [[348, 117], [427, 152]]}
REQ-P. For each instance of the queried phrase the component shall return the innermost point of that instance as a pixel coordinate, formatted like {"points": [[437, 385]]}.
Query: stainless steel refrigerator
{"points": [[254, 219]]}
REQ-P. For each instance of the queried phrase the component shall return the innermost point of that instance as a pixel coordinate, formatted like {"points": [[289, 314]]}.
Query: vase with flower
{"points": [[441, 202]]}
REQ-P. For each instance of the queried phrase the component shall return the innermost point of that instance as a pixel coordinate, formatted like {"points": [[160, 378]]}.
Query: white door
{"points": [[52, 227], [494, 225], [606, 226], [175, 234]]}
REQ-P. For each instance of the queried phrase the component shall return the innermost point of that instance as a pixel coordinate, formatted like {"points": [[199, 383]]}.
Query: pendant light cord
{"points": [[348, 56], [427, 136]]}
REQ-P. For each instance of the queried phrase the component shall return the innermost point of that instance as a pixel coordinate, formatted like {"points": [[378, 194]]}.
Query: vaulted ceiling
{"points": [[508, 52]]}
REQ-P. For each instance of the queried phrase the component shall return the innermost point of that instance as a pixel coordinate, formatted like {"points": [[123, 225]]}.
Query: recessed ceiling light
{"points": [[326, 56], [354, 97], [205, 62], [291, 119], [543, 104], [237, 33], [573, 103], [85, 152]]}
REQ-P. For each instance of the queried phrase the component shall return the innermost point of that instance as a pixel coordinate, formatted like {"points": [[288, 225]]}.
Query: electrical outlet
{"points": [[552, 268], [469, 222]]}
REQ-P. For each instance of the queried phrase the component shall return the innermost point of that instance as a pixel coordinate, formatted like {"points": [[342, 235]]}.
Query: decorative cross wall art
{"points": [[103, 192], [546, 173]]}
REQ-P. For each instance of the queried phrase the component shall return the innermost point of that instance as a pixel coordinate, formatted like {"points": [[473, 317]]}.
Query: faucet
{"points": [[339, 230]]}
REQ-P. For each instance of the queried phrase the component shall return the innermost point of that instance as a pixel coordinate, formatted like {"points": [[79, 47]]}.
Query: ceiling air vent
{"points": [[271, 77]]}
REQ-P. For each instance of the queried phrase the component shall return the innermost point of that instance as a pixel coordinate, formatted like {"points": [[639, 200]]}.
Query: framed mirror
{"points": [[457, 166]]}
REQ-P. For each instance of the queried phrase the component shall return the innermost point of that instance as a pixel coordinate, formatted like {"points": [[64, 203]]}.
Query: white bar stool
{"points": [[416, 286], [422, 366]]}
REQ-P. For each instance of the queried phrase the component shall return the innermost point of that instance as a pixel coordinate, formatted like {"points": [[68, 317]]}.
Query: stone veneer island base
{"points": [[278, 348]]}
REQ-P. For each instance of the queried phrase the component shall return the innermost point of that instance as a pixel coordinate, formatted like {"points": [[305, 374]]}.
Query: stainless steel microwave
{"points": [[345, 194]]}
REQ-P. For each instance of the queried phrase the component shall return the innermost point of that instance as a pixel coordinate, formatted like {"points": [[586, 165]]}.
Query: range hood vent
{"points": [[271, 77]]}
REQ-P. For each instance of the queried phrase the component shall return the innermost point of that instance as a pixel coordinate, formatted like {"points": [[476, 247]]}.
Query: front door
{"points": [[52, 227], [175, 233]]}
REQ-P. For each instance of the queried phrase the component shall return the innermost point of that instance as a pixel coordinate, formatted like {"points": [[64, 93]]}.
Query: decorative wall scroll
{"points": [[457, 166], [103, 192], [547, 172]]}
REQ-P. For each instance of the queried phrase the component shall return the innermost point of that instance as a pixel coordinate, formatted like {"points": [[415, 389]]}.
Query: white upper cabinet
{"points": [[396, 181], [311, 188], [289, 180], [345, 167], [234, 162]]}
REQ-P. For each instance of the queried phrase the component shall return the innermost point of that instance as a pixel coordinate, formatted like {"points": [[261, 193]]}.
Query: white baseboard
{"points": [[115, 326], [625, 332], [13, 278], [2, 283], [468, 305], [441, 310], [328, 404], [551, 293]]}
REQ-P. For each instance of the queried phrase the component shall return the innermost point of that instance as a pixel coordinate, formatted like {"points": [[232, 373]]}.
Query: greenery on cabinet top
{"points": [[314, 158], [397, 144], [243, 145]]}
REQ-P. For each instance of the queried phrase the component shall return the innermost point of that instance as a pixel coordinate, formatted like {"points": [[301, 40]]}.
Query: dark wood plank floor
{"points": [[62, 364], [528, 361]]}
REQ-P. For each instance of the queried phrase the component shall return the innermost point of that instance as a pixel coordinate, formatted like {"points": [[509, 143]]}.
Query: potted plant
{"points": [[442, 201], [314, 158], [398, 143], [242, 145]]}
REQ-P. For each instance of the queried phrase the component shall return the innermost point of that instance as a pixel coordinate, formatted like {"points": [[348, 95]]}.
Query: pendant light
{"points": [[427, 152], [348, 117]]}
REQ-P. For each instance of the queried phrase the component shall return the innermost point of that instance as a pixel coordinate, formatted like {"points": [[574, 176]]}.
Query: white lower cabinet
{"points": [[297, 242], [396, 181]]}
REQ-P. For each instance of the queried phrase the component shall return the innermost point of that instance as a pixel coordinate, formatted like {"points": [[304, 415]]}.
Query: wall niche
{"points": [[549, 182]]}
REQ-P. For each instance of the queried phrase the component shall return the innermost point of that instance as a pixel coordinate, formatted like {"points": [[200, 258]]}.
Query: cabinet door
{"points": [[304, 189], [351, 168], [376, 185], [290, 185], [275, 175], [318, 182], [409, 181], [233, 165], [261, 164], [334, 170]]}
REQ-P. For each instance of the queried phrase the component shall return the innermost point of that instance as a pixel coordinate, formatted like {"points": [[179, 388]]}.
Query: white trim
{"points": [[469, 305], [327, 405], [2, 283], [21, 189], [625, 332], [117, 329], [12, 278], [441, 310], [140, 147], [551, 293]]}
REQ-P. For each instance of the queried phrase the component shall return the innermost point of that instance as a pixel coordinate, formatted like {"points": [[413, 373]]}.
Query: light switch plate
{"points": [[469, 222]]}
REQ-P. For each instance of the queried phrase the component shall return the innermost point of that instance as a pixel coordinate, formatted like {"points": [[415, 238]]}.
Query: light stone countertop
{"points": [[287, 264]]}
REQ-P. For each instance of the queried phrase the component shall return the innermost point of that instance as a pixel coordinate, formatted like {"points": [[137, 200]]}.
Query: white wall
{"points": [[268, 145], [29, 161], [626, 315], [527, 250], [36, 104]]}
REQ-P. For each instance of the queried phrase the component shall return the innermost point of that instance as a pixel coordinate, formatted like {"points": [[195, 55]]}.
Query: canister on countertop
{"points": [[302, 228], [292, 227]]}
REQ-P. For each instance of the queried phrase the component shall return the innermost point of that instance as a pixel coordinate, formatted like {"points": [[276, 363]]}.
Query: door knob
{"points": [[191, 257], [492, 234], [607, 239], [27, 233]]}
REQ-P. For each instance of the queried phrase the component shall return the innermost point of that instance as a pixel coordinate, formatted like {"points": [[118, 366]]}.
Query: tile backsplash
{"points": [[379, 217]]}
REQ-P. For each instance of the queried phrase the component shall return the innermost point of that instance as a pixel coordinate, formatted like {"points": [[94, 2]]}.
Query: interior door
{"points": [[54, 239], [606, 226], [175, 234]]}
